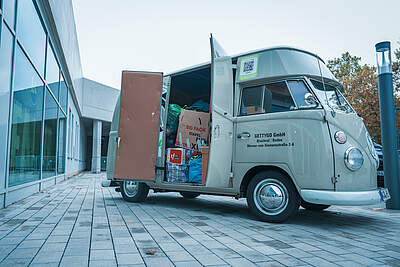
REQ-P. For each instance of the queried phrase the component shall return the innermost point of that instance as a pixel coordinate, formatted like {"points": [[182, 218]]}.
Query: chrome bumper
{"points": [[342, 198]]}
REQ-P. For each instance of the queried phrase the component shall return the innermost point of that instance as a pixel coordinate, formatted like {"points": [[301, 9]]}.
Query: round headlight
{"points": [[340, 137], [353, 158]]}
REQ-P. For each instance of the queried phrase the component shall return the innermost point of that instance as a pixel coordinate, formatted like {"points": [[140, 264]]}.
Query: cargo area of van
{"points": [[188, 127]]}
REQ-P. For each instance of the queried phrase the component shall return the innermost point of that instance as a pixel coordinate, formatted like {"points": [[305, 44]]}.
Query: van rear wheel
{"points": [[313, 207], [189, 195], [132, 191], [272, 197]]}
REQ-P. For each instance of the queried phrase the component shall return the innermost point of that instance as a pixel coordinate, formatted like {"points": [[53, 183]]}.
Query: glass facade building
{"points": [[33, 96], [47, 107]]}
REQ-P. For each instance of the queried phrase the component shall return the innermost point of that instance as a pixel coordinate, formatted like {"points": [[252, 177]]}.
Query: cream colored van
{"points": [[281, 134]]}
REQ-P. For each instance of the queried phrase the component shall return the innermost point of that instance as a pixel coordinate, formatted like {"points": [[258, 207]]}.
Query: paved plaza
{"points": [[79, 223]]}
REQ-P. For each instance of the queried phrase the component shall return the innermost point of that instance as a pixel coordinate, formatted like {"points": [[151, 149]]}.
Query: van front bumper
{"points": [[357, 198]]}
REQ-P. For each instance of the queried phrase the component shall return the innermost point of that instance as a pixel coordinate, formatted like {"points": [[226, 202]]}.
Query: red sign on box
{"points": [[176, 155]]}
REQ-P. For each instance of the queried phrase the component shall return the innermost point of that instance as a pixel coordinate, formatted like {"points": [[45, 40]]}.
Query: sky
{"points": [[165, 36]]}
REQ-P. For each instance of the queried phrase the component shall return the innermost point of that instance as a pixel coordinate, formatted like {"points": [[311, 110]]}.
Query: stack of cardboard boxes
{"points": [[190, 157]]}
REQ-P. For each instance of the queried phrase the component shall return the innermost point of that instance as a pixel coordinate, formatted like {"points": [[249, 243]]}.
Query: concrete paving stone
{"points": [[297, 253], [16, 262], [209, 259], [159, 261], [176, 256], [316, 261], [125, 248], [225, 253], [11, 240], [68, 261], [129, 258], [239, 262], [76, 251], [348, 264], [187, 264], [269, 264], [101, 245], [48, 264], [103, 263], [49, 247], [288, 260], [361, 259], [33, 243], [48, 257], [20, 253], [170, 246], [57, 238], [102, 255]]}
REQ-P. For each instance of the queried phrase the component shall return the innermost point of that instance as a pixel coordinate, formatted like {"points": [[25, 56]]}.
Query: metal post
{"points": [[388, 124]]}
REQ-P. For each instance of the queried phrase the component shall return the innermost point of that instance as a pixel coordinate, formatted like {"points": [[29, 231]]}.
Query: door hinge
{"points": [[334, 180]]}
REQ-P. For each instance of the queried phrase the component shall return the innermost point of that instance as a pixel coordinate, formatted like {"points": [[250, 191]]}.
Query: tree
{"points": [[345, 66]]}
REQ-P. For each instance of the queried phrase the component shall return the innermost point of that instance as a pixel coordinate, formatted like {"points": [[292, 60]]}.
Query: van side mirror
{"points": [[310, 99]]}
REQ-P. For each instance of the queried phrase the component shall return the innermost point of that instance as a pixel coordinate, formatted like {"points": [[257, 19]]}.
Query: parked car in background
{"points": [[380, 173]]}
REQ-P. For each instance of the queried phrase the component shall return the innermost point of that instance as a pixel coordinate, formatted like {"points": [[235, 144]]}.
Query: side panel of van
{"points": [[298, 139]]}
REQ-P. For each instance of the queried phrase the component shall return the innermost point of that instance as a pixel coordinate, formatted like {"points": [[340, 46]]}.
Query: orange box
{"points": [[176, 155]]}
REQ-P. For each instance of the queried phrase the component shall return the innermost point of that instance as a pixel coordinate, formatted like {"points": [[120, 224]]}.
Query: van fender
{"points": [[254, 169]]}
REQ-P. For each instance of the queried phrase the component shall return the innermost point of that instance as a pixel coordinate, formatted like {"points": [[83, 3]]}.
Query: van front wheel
{"points": [[132, 191], [272, 197]]}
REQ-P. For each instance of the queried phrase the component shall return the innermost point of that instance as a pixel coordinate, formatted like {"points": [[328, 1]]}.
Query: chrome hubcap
{"points": [[130, 188], [271, 196]]}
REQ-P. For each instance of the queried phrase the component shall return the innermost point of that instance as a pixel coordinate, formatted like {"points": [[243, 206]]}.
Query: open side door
{"points": [[138, 130], [220, 159]]}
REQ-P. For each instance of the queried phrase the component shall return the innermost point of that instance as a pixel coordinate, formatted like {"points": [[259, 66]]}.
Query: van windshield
{"points": [[334, 97]]}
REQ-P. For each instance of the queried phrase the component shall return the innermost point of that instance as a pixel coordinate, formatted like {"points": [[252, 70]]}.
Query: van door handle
{"points": [[244, 135]]}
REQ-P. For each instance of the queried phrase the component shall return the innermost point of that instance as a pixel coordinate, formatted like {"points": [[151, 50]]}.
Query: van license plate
{"points": [[380, 173], [384, 193]]}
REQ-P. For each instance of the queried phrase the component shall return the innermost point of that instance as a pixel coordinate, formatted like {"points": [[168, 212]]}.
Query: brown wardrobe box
{"points": [[204, 163]]}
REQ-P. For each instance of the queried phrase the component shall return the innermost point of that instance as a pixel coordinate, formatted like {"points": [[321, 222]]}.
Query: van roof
{"points": [[235, 57]]}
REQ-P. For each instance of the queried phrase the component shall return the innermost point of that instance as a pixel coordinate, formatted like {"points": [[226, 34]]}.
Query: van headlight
{"points": [[353, 158]]}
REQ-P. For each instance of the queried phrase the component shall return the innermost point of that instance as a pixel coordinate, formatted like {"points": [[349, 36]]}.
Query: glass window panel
{"points": [[277, 98], [252, 100], [62, 120], [63, 93], [50, 137], [9, 12], [52, 71], [31, 34], [5, 79], [299, 90], [26, 122]]}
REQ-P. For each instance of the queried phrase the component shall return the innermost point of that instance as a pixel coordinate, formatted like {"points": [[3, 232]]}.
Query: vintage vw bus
{"points": [[281, 134]]}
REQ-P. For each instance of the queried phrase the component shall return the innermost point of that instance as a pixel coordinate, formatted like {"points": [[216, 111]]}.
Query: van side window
{"points": [[277, 98], [299, 89], [252, 100]]}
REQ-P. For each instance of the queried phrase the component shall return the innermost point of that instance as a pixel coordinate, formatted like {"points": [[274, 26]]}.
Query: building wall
{"points": [[43, 98], [98, 101]]}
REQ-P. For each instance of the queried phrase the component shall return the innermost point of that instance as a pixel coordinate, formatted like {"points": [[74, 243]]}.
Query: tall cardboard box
{"points": [[205, 151], [193, 129]]}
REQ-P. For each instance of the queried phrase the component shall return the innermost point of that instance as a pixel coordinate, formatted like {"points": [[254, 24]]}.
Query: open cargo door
{"points": [[138, 129], [220, 159]]}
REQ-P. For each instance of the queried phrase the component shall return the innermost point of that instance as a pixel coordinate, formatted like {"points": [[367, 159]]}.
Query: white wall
{"points": [[76, 141]]}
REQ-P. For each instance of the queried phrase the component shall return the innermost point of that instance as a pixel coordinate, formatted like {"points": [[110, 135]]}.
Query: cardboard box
{"points": [[253, 110], [205, 150], [176, 155], [193, 129]]}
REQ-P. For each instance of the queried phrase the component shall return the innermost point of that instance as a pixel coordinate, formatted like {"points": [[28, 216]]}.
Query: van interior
{"points": [[187, 88]]}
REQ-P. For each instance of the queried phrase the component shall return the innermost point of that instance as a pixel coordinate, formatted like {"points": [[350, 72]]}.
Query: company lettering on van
{"points": [[271, 139]]}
